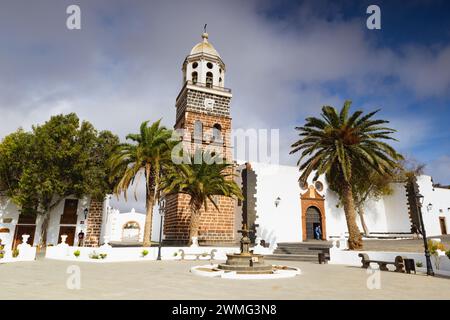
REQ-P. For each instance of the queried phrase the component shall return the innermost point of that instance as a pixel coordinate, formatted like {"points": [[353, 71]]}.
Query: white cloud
{"points": [[124, 66]]}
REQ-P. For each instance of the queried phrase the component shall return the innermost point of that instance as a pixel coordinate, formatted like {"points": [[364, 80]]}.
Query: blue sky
{"points": [[285, 60]]}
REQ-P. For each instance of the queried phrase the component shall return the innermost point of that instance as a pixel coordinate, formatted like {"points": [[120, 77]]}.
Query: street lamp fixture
{"points": [[420, 198], [86, 212], [277, 202], [162, 208]]}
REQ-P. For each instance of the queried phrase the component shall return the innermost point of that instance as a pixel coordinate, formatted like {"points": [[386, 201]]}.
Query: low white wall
{"points": [[351, 258], [62, 252], [26, 253]]}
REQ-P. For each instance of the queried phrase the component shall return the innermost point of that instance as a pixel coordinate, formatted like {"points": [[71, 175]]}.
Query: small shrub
{"points": [[102, 255], [77, 253], [15, 253], [433, 247], [175, 254], [94, 255], [419, 264], [144, 252], [2, 252], [447, 253]]}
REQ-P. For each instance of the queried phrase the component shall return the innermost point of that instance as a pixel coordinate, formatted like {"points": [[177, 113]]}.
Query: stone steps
{"points": [[308, 244], [300, 251], [297, 251], [292, 257]]}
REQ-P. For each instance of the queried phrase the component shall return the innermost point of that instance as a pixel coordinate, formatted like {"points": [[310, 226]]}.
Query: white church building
{"points": [[286, 212]]}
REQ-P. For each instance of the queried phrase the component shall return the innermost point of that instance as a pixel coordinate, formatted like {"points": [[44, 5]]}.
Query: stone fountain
{"points": [[245, 265], [246, 262]]}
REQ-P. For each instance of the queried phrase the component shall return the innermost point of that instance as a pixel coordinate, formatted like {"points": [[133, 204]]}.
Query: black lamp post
{"points": [[162, 207], [420, 198]]}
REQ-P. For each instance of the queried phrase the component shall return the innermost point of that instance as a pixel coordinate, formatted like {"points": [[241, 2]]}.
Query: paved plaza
{"points": [[46, 279]]}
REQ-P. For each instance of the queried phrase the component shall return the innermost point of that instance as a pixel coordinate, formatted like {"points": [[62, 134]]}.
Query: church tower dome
{"points": [[204, 66], [205, 47]]}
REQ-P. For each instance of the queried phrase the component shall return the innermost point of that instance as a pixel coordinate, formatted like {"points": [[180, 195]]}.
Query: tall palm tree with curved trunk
{"points": [[144, 157], [201, 181], [337, 144]]}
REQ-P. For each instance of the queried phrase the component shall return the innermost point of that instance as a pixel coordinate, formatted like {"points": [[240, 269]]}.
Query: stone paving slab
{"points": [[46, 279]]}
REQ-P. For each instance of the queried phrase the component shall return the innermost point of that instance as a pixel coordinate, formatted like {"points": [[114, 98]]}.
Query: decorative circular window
{"points": [[318, 185], [194, 65], [209, 65], [303, 185]]}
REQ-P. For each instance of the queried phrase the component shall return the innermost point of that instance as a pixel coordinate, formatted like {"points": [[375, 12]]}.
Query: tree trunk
{"points": [[150, 200], [363, 222], [148, 222], [45, 221], [194, 224], [354, 235], [43, 233]]}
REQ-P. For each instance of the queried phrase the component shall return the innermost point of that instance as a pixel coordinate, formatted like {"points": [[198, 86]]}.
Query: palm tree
{"points": [[366, 184], [151, 148], [201, 181], [338, 144]]}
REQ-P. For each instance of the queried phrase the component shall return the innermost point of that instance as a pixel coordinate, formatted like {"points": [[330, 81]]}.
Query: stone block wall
{"points": [[94, 224], [208, 121], [193, 101], [216, 227]]}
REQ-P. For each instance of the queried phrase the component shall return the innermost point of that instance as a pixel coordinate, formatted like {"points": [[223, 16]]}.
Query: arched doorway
{"points": [[313, 220], [131, 231], [313, 213]]}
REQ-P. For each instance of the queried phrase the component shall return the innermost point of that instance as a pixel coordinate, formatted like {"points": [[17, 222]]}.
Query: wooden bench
{"points": [[398, 263], [198, 255]]}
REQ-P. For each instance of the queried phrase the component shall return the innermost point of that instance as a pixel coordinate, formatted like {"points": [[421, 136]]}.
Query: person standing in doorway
{"points": [[81, 238], [317, 233]]}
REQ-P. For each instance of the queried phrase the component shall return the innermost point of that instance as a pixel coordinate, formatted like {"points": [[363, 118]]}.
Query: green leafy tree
{"points": [[201, 181], [55, 160], [150, 149], [336, 145], [15, 154]]}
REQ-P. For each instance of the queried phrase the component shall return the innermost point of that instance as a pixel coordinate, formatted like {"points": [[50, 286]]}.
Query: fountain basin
{"points": [[246, 264], [277, 272]]}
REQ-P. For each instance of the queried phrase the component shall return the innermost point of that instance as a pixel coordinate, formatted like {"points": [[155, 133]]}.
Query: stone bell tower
{"points": [[203, 111]]}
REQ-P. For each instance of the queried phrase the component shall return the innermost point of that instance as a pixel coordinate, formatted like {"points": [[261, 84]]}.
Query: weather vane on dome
{"points": [[204, 28]]}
